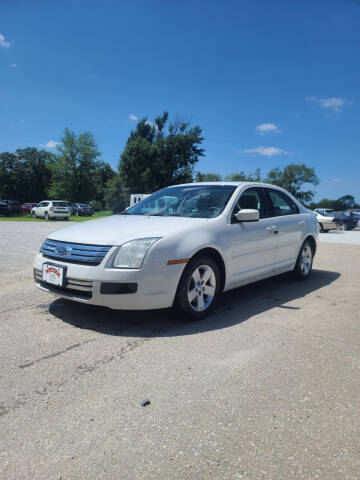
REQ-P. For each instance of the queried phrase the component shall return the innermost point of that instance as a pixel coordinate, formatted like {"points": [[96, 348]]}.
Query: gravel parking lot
{"points": [[267, 387]]}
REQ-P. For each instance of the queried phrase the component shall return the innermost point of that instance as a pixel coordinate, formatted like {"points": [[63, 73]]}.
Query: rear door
{"points": [[40, 210], [289, 227]]}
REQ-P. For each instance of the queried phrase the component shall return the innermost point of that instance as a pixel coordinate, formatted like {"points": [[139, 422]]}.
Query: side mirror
{"points": [[247, 215]]}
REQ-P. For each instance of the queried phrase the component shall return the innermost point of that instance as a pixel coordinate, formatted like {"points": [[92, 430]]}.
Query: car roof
{"points": [[234, 184]]}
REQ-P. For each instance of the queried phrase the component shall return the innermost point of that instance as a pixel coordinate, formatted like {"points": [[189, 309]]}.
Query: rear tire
{"points": [[198, 288], [46, 216], [304, 262]]}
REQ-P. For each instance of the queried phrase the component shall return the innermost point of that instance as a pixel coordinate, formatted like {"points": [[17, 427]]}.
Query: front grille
{"points": [[80, 288], [74, 252]]}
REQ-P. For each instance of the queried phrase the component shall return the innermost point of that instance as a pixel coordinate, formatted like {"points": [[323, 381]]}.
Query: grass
{"points": [[73, 218]]}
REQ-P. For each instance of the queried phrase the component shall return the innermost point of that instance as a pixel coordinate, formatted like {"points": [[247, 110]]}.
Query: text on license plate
{"points": [[53, 274]]}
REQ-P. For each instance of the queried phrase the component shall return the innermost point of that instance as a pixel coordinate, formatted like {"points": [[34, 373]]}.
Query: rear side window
{"points": [[281, 204]]}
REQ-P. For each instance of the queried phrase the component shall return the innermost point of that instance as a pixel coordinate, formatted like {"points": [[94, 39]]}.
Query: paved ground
{"points": [[266, 388], [351, 237]]}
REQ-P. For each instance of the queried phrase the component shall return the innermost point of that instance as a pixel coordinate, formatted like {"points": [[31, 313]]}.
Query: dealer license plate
{"points": [[53, 274]]}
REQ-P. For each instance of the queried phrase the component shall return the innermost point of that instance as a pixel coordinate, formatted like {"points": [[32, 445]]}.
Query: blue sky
{"points": [[289, 67]]}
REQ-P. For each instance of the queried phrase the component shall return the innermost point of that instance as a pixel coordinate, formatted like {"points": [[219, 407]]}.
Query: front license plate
{"points": [[53, 274]]}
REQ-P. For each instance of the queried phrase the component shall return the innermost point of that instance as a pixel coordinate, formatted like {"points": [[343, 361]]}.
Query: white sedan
{"points": [[181, 246]]}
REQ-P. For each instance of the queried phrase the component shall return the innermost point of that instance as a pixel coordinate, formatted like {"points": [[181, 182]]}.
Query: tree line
{"points": [[157, 154]]}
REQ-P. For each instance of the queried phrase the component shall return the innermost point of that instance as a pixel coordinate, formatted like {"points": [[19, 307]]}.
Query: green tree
{"points": [[76, 168], [244, 177], [160, 154], [346, 202], [117, 195], [208, 177], [103, 175], [26, 174], [293, 177]]}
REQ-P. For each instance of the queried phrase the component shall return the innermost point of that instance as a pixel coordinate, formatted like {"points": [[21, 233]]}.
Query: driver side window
{"points": [[252, 198]]}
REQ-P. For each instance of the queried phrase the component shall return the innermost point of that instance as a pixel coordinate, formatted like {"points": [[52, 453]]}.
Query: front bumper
{"points": [[156, 284]]}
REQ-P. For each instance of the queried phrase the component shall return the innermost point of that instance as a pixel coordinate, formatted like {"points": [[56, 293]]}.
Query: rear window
{"points": [[60, 204]]}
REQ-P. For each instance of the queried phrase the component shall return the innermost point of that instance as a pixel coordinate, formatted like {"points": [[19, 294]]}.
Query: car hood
{"points": [[117, 229]]}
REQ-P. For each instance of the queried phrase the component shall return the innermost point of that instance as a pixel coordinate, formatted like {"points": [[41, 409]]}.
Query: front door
{"points": [[252, 244]]}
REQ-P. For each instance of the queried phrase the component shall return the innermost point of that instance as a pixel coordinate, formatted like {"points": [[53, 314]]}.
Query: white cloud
{"points": [[334, 104], [267, 128], [133, 117], [50, 144], [267, 151], [13, 65], [3, 42]]}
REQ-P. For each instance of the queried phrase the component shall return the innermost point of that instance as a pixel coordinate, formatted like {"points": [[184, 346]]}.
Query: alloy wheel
{"points": [[201, 288], [306, 259]]}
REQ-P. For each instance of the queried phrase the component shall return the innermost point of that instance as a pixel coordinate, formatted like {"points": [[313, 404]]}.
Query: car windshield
{"points": [[199, 201]]}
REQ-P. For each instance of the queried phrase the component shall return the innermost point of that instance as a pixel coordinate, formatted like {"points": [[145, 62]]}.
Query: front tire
{"points": [[321, 228], [198, 289], [46, 216], [304, 262]]}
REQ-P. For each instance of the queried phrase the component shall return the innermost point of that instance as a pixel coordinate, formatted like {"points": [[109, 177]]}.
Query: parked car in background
{"points": [[70, 205], [182, 246], [27, 207], [82, 209], [51, 209], [326, 221], [355, 215], [10, 207], [324, 211], [5, 208], [345, 220]]}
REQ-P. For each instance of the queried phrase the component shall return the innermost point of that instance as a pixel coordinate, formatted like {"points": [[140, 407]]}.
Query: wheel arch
{"points": [[216, 255], [312, 241]]}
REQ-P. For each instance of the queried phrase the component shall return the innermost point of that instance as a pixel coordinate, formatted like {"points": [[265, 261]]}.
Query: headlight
{"points": [[131, 254]]}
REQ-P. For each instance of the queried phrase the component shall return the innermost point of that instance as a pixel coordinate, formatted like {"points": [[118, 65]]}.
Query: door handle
{"points": [[273, 229]]}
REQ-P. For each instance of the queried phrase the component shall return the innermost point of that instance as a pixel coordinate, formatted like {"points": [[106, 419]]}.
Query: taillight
{"points": [[51, 208]]}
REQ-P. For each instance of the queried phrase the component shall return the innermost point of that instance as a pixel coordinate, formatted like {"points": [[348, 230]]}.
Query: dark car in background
{"points": [[83, 209], [26, 207], [10, 207], [345, 220]]}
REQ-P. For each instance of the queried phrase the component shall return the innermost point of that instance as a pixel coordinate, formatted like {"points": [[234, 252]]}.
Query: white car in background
{"points": [[181, 246], [326, 220], [51, 209]]}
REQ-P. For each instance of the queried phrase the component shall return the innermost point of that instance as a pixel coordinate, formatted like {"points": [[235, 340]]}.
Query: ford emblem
{"points": [[63, 250]]}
